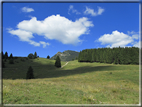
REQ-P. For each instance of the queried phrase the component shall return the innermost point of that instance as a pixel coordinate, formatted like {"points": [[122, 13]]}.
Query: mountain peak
{"points": [[67, 55]]}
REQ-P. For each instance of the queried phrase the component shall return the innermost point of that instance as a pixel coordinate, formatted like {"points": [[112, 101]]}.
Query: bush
{"points": [[11, 61], [31, 56], [58, 62], [30, 74]]}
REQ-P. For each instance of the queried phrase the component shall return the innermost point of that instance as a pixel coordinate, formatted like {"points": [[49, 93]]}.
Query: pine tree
{"points": [[35, 55], [6, 55], [48, 57], [30, 74], [58, 62], [3, 56], [11, 56]]}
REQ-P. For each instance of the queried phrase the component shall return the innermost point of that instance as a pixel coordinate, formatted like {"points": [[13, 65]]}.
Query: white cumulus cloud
{"points": [[137, 44], [135, 35], [116, 39], [73, 10], [44, 43], [26, 9], [24, 36], [53, 27], [91, 11]]}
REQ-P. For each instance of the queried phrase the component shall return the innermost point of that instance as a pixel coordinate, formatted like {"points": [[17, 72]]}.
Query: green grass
{"points": [[75, 83]]}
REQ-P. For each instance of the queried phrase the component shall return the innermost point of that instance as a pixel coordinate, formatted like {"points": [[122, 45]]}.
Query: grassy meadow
{"points": [[75, 83]]}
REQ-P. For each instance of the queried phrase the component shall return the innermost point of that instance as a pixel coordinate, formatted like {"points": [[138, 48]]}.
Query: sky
{"points": [[47, 28]]}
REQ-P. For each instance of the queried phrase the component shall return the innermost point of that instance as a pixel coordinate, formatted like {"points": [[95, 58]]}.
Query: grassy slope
{"points": [[76, 83], [41, 67]]}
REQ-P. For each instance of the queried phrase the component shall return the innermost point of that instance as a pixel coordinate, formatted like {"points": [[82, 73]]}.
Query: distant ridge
{"points": [[67, 55]]}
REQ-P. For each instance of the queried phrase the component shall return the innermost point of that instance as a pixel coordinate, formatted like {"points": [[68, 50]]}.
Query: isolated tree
{"points": [[48, 57], [6, 55], [2, 55], [11, 56], [58, 62], [35, 55], [31, 56], [30, 74]]}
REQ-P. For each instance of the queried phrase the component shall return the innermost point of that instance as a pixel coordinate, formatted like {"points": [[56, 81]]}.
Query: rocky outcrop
{"points": [[67, 55]]}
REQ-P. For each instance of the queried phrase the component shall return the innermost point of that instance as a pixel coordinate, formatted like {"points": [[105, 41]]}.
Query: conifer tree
{"points": [[35, 55], [2, 55], [58, 62], [30, 74], [6, 55], [11, 56], [48, 57]]}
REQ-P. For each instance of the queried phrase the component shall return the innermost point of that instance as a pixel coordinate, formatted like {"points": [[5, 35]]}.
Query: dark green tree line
{"points": [[119, 55]]}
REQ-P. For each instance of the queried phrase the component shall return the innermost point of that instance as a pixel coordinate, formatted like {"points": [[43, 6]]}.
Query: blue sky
{"points": [[51, 27]]}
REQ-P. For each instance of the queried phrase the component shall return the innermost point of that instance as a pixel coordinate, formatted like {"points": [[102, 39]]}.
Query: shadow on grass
{"points": [[85, 69], [19, 69], [16, 71]]}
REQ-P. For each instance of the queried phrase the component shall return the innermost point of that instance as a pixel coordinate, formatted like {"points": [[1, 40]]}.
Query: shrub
{"points": [[11, 61], [30, 74], [31, 56]]}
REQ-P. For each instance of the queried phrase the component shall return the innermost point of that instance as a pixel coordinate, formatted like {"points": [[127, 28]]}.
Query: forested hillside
{"points": [[127, 55]]}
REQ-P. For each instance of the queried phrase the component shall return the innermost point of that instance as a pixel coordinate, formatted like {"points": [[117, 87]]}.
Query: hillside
{"points": [[67, 55], [75, 83], [18, 70]]}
